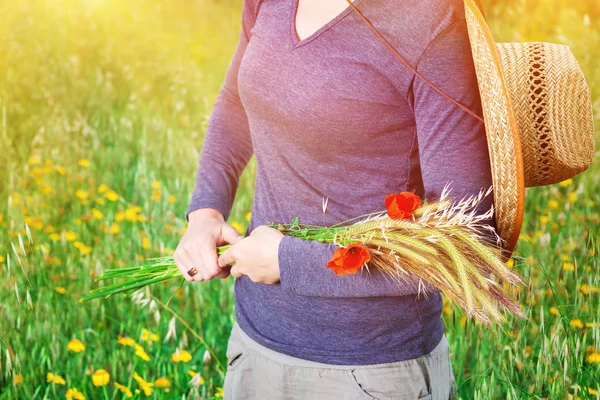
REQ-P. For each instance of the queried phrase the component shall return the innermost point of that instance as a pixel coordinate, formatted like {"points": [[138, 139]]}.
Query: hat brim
{"points": [[504, 144]]}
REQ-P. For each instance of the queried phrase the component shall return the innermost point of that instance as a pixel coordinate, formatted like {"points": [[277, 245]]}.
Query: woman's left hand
{"points": [[256, 255]]}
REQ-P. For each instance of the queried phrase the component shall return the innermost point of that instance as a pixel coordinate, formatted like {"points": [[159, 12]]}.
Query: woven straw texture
{"points": [[553, 108], [501, 129]]}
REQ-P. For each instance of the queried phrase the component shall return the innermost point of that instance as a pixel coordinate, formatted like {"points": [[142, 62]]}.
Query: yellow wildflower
{"points": [[73, 393], [593, 358], [81, 194], [568, 266], [111, 195], [76, 346], [125, 341], [155, 184], [141, 218], [181, 356], [544, 219], [124, 389], [46, 189], [101, 377], [60, 290], [219, 392], [572, 196], [18, 379], [162, 382], [119, 216], [70, 236], [576, 323], [50, 377], [553, 204], [510, 263], [54, 236], [34, 160], [141, 353], [60, 170], [144, 385], [566, 182], [149, 336], [171, 199], [100, 200], [238, 227], [593, 392], [84, 163], [554, 311], [97, 214], [103, 188], [155, 195], [592, 324], [145, 243], [115, 228]]}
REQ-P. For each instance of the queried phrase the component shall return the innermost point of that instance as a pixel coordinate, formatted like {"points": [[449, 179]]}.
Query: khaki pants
{"points": [[257, 372]]}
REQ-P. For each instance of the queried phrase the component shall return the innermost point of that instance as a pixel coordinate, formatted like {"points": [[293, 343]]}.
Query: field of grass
{"points": [[103, 107]]}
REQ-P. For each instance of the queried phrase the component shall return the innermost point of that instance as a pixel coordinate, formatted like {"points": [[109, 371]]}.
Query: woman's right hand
{"points": [[206, 230]]}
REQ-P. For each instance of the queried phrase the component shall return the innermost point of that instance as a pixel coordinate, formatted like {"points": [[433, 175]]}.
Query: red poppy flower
{"points": [[349, 260], [401, 205]]}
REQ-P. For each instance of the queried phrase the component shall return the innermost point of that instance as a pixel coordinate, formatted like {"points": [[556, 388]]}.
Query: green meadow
{"points": [[103, 109]]}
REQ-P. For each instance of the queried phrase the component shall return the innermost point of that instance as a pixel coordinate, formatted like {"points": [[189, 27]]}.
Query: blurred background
{"points": [[103, 109]]}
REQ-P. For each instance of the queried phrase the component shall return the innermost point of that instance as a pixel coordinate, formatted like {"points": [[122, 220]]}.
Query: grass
{"points": [[103, 107]]}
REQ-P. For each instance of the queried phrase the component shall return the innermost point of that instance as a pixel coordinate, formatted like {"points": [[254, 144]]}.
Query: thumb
{"points": [[230, 234]]}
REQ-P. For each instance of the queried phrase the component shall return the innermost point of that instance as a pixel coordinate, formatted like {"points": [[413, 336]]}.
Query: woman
{"points": [[336, 122]]}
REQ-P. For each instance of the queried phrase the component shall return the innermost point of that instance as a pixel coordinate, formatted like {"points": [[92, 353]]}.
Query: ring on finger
{"points": [[192, 271]]}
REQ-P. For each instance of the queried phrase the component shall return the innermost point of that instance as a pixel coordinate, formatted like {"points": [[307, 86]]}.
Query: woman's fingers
{"points": [[183, 263]]}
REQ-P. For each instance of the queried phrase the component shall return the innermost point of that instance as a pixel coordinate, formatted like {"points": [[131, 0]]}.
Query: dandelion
{"points": [[81, 194], [76, 346], [181, 356], [50, 377], [155, 195], [97, 214], [145, 243], [238, 227], [125, 341], [111, 195], [572, 197], [119, 216], [84, 163], [156, 185], [171, 199], [141, 353], [124, 389], [149, 336], [34, 160], [162, 382], [103, 188], [18, 379], [60, 290], [553, 204], [70, 236], [593, 358], [100, 377], [73, 393], [544, 219], [60, 170], [576, 323], [568, 266], [115, 228], [144, 385], [219, 392], [566, 182], [554, 311]]}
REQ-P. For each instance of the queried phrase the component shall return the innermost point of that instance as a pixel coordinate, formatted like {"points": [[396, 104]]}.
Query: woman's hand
{"points": [[255, 256], [198, 247]]}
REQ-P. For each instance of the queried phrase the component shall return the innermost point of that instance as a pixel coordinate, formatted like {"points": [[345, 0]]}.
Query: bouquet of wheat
{"points": [[440, 242]]}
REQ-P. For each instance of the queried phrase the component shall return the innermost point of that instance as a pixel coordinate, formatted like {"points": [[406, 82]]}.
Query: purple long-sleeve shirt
{"points": [[337, 117]]}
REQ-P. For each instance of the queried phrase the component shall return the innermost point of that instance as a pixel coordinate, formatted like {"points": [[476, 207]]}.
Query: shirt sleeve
{"points": [[227, 147], [452, 148]]}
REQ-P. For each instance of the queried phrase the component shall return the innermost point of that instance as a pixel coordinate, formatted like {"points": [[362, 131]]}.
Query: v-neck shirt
{"points": [[336, 122]]}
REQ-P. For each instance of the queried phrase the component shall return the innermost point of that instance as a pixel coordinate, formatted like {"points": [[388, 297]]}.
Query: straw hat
{"points": [[537, 112], [538, 118]]}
